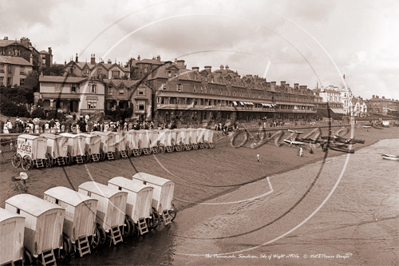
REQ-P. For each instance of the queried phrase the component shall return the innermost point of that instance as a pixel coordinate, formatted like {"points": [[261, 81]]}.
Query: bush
{"points": [[38, 113], [9, 108]]}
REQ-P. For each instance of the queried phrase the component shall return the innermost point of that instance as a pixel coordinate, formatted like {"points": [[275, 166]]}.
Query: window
{"points": [[91, 104], [145, 70], [140, 92], [99, 71], [179, 87], [1, 80], [73, 88], [93, 88], [115, 74], [121, 91], [110, 89], [141, 107], [57, 87], [22, 81], [169, 74], [18, 211]]}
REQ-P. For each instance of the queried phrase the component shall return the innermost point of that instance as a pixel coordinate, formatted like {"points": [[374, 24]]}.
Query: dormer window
{"points": [[169, 74], [179, 87]]}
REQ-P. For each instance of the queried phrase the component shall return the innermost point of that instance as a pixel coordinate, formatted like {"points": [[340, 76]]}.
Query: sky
{"points": [[310, 42]]}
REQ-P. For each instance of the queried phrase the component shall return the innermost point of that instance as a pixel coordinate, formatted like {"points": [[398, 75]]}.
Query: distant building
{"points": [[382, 106], [99, 70], [13, 70], [72, 94], [23, 48], [195, 96], [358, 107]]}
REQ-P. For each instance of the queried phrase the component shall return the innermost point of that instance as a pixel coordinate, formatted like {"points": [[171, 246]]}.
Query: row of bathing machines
{"points": [[62, 149], [66, 222]]}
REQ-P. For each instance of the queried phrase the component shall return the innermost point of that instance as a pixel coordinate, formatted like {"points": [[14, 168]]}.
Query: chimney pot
{"points": [[5, 38], [76, 60], [221, 67], [93, 59]]}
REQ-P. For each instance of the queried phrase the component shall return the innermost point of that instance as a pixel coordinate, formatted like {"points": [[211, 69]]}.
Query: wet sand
{"points": [[358, 225]]}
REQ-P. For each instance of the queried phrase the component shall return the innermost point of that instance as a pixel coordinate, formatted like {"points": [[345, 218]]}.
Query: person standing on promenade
{"points": [[300, 152], [258, 156]]}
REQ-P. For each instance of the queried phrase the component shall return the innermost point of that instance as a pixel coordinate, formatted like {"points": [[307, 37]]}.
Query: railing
{"points": [[231, 108]]}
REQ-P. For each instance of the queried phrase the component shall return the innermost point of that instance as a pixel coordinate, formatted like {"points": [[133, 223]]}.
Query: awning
{"points": [[338, 111], [268, 104], [235, 103], [248, 103], [241, 103]]}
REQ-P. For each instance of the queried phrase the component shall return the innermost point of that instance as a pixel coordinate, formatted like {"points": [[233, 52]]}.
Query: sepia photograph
{"points": [[175, 132]]}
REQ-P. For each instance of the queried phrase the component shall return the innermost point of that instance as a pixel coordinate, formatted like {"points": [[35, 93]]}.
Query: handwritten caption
{"points": [[279, 256]]}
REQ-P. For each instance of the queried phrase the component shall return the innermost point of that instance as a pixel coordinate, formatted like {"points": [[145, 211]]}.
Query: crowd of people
{"points": [[82, 124]]}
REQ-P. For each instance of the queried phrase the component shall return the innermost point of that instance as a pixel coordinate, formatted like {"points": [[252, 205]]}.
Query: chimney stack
{"points": [[93, 59], [221, 67], [208, 68], [76, 60], [109, 61], [180, 64], [227, 67], [138, 58], [296, 86], [50, 51], [5, 38], [196, 69], [159, 58], [282, 83]]}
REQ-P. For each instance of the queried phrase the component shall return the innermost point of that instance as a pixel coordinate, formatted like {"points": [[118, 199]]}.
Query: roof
{"points": [[27, 136], [152, 179], [100, 189], [4, 43], [62, 79], [5, 215], [43, 52], [126, 82], [149, 61], [51, 136], [70, 135], [32, 204], [128, 184], [14, 60], [68, 195]]}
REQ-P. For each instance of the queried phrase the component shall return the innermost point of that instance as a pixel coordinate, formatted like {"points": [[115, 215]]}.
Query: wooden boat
{"points": [[390, 158], [295, 142]]}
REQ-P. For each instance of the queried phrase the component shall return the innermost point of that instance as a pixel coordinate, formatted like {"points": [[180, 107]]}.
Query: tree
{"points": [[32, 80], [54, 70]]}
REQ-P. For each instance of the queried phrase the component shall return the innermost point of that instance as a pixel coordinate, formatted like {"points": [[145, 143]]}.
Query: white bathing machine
{"points": [[162, 195], [139, 200], [31, 151], [80, 216], [12, 229], [111, 206], [92, 146], [76, 148], [107, 144], [44, 222], [57, 148]]}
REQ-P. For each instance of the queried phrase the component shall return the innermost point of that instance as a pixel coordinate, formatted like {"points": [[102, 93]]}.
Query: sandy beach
{"points": [[357, 225]]}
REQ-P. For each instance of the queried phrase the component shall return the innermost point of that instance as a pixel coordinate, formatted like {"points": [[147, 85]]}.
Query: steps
{"points": [[60, 161], [79, 159], [116, 235], [166, 217], [95, 157], [142, 224], [124, 154], [48, 258], [110, 155], [83, 246], [39, 163]]}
